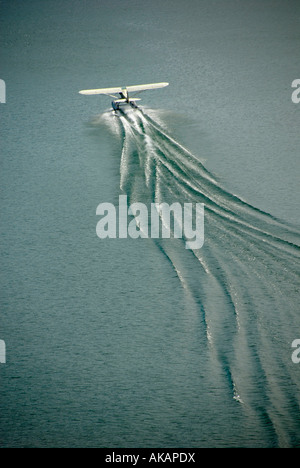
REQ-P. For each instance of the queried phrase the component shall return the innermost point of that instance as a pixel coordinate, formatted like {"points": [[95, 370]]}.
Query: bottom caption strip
{"points": [[145, 456]]}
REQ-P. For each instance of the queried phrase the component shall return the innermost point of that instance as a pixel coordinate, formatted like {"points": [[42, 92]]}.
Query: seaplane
{"points": [[123, 98]]}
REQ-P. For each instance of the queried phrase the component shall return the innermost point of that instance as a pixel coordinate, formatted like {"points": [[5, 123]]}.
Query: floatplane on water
{"points": [[123, 93]]}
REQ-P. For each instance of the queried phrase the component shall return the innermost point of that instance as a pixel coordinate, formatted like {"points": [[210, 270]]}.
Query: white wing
{"points": [[146, 86], [110, 91], [101, 91]]}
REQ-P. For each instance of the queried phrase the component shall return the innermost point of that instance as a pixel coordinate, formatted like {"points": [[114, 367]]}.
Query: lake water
{"points": [[141, 342]]}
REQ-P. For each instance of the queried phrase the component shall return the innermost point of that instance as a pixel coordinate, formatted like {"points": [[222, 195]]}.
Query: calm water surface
{"points": [[142, 343]]}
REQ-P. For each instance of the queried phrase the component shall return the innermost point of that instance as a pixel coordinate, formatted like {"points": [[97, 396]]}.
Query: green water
{"points": [[138, 342]]}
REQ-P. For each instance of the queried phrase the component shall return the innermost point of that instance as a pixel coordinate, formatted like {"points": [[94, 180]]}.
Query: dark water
{"points": [[141, 342]]}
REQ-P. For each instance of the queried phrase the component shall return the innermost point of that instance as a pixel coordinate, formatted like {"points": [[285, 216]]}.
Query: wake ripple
{"points": [[244, 280]]}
